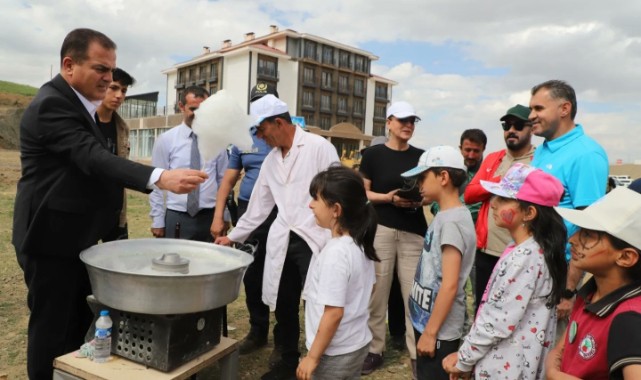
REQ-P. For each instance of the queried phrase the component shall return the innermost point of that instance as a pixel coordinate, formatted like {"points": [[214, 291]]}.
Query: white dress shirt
{"points": [[172, 150], [91, 107], [284, 182]]}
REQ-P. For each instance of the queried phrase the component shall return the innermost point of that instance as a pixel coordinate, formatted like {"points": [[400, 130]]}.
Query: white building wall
{"points": [[172, 79], [236, 78], [280, 44], [288, 83], [369, 107]]}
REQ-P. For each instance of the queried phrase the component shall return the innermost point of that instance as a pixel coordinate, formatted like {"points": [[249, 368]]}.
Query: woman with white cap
{"points": [[401, 223]]}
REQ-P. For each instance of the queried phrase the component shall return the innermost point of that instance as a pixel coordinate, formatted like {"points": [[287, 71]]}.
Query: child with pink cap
{"points": [[516, 320]]}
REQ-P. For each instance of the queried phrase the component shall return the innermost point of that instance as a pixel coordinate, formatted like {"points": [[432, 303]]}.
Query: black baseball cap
{"points": [[261, 89]]}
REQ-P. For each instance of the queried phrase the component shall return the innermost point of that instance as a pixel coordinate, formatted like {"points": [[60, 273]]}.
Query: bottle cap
{"points": [[104, 313]]}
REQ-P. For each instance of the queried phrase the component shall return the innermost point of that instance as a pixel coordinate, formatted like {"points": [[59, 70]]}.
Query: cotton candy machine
{"points": [[165, 296]]}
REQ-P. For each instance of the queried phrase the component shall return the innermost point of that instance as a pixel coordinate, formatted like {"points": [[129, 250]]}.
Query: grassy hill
{"points": [[15, 88], [14, 98]]}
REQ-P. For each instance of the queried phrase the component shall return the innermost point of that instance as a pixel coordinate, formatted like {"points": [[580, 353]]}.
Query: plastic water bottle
{"points": [[102, 342]]}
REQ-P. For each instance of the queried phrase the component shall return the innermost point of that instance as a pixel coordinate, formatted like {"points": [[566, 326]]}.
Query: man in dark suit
{"points": [[69, 194]]}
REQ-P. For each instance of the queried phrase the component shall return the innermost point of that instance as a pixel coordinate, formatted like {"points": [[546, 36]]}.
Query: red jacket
{"points": [[474, 192]]}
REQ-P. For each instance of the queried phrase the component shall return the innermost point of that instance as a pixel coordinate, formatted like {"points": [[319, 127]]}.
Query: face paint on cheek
{"points": [[507, 216]]}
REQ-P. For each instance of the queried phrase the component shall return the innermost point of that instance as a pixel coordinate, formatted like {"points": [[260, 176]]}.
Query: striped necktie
{"points": [[194, 195]]}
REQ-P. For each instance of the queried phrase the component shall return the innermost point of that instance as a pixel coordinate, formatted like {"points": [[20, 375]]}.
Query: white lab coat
{"points": [[285, 183]]}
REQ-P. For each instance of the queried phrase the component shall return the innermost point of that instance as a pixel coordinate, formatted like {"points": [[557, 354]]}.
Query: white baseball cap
{"points": [[267, 106], [617, 213], [401, 110], [442, 156]]}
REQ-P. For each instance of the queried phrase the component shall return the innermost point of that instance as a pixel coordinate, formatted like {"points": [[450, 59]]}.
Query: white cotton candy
{"points": [[220, 121]]}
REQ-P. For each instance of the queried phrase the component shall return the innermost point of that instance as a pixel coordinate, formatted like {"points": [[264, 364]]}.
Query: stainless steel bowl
{"points": [[126, 275]]}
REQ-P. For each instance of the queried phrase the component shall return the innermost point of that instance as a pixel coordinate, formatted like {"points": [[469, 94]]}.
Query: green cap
{"points": [[518, 111]]}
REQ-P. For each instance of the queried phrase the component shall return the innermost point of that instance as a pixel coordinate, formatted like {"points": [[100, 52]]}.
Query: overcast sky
{"points": [[462, 64]]}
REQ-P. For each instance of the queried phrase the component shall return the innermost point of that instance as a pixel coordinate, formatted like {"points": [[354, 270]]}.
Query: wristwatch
{"points": [[568, 294]]}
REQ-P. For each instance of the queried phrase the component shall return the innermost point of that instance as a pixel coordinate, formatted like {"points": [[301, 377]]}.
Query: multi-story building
{"points": [[325, 82], [328, 83], [139, 105]]}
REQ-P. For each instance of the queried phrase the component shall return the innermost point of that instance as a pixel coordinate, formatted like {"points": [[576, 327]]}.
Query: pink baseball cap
{"points": [[526, 183]]}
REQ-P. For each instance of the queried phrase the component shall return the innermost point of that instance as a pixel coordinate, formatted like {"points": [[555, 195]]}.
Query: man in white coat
{"points": [[294, 236]]}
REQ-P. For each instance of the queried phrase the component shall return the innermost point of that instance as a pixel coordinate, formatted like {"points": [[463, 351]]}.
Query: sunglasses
{"points": [[409, 119], [518, 125]]}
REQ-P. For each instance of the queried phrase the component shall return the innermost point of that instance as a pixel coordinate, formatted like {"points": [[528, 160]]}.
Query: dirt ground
{"points": [[14, 313]]}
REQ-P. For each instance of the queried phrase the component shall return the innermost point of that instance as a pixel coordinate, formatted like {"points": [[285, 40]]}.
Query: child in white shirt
{"points": [[340, 278]]}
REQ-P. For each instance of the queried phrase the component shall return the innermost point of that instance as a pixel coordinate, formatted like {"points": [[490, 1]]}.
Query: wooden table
{"points": [[68, 367]]}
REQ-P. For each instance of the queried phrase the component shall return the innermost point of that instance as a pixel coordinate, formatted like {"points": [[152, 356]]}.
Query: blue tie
{"points": [[192, 197]]}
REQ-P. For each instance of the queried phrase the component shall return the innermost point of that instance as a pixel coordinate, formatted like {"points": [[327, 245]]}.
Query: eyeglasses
{"points": [[409, 119], [518, 125]]}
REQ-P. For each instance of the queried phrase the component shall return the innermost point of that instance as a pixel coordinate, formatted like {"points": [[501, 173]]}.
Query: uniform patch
{"points": [[573, 328], [587, 347]]}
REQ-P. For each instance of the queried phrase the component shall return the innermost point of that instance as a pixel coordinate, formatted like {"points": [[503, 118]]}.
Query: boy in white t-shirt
{"points": [[437, 299]]}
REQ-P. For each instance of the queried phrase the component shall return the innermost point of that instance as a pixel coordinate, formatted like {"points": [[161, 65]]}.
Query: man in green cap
{"points": [[490, 239]]}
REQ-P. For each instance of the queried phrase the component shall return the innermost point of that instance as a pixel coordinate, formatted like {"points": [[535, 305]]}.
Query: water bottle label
{"points": [[103, 333]]}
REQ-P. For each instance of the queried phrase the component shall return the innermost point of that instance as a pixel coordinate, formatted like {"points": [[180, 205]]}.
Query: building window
{"points": [[326, 79], [309, 76], [309, 119], [328, 55], [213, 71], [359, 108], [344, 60], [358, 123], [213, 88], [342, 105], [310, 50], [380, 92], [359, 87], [326, 102], [308, 99], [267, 67], [325, 122], [379, 129], [343, 84], [202, 72], [192, 74], [360, 64], [380, 111]]}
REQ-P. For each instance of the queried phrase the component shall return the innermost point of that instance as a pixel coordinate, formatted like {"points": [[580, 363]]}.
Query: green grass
{"points": [[16, 88]]}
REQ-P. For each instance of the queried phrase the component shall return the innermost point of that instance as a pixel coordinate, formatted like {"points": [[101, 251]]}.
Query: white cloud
{"points": [[596, 46]]}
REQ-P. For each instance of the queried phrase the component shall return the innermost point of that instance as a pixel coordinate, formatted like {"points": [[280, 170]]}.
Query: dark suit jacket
{"points": [[71, 187]]}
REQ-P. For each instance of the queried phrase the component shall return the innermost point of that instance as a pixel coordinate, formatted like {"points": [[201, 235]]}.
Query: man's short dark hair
{"points": [[123, 77], [475, 136], [559, 89], [197, 91], [76, 44]]}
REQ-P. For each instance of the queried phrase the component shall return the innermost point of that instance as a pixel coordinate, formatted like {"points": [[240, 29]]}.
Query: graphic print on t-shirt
{"points": [[428, 273]]}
